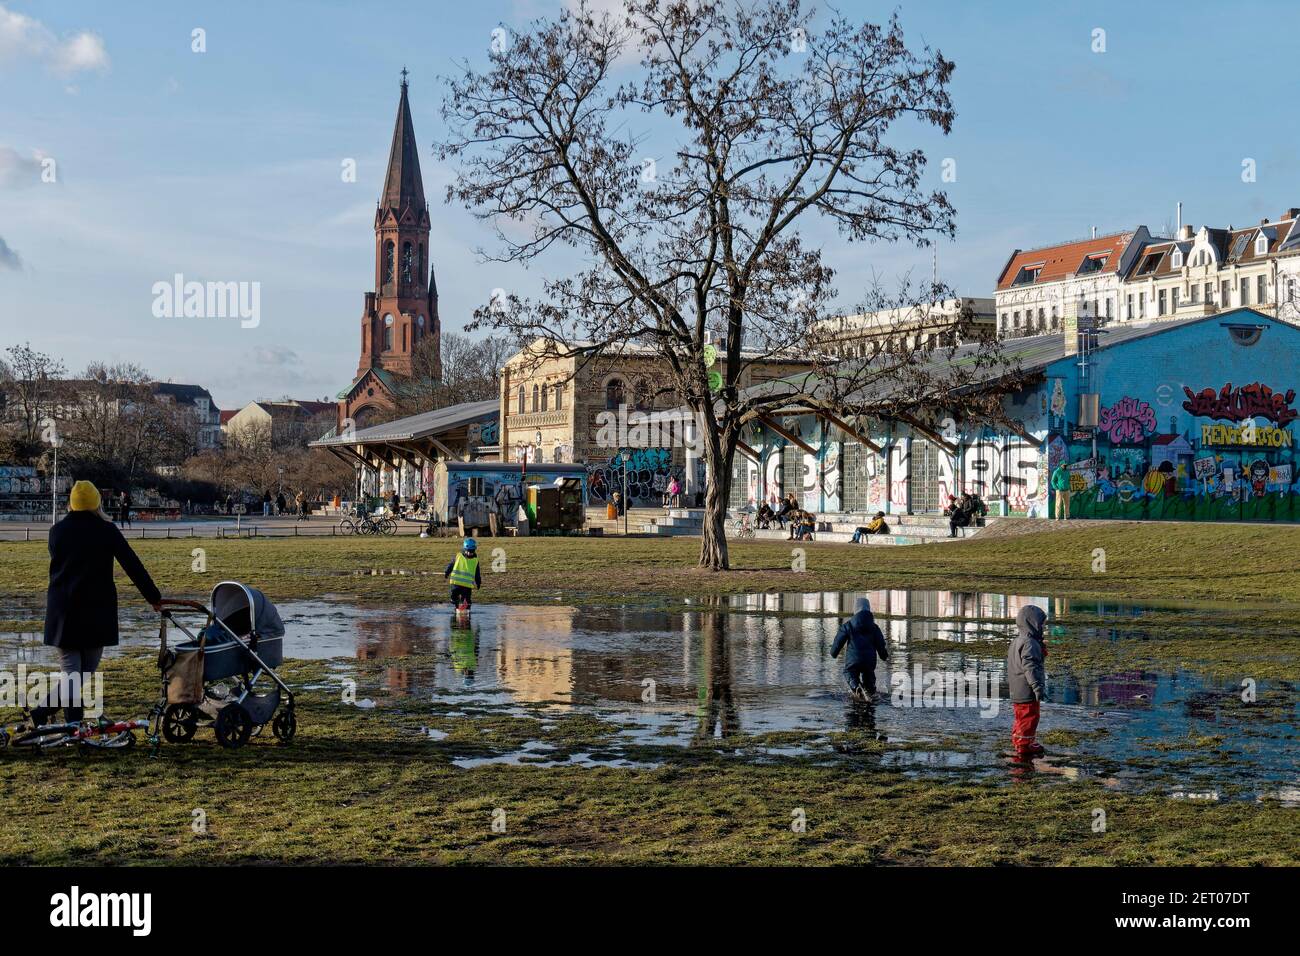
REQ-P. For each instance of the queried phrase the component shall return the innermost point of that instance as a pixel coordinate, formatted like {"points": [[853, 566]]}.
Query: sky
{"points": [[227, 164]]}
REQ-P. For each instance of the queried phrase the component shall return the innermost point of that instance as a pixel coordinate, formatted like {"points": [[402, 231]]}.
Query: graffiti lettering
{"points": [[1127, 421], [1238, 404], [1216, 435]]}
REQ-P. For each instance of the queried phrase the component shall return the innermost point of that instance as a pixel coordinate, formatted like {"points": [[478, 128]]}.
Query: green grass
{"points": [[363, 786], [1236, 564], [368, 786]]}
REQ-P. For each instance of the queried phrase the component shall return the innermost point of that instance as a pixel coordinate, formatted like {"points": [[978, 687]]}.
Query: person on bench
{"points": [[875, 526]]}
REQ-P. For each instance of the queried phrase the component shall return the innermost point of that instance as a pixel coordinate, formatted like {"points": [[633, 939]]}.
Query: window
{"points": [[1176, 260], [1149, 263], [388, 262], [408, 264], [1261, 245], [1142, 305], [1042, 320], [1223, 294], [1245, 292], [1246, 335], [1027, 275], [1261, 290], [1109, 304], [1056, 319], [1209, 293], [1093, 264], [545, 390], [521, 400], [1015, 319], [614, 393], [388, 332], [1160, 300], [535, 392], [1238, 247], [559, 396], [1128, 308], [1003, 320], [1173, 300], [1196, 294], [1290, 290]]}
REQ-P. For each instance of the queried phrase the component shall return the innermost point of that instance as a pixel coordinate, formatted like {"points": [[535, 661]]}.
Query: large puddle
{"points": [[755, 670]]}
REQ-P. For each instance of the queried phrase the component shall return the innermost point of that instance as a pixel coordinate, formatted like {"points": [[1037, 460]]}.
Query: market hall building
{"points": [[1180, 420]]}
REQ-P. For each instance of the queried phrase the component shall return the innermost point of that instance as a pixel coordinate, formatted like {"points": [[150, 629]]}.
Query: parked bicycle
{"points": [[368, 524], [97, 734], [742, 526]]}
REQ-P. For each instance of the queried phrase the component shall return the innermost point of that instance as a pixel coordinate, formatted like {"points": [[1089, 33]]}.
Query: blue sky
{"points": [[226, 165]]}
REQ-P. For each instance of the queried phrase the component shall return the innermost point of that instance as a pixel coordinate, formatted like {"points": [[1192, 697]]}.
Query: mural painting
{"points": [[1221, 463]]}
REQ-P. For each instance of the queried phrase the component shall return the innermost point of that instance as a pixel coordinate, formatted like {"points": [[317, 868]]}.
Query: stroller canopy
{"points": [[235, 605]]}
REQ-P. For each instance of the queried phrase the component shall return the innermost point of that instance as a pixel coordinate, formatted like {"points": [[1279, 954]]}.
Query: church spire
{"points": [[403, 185]]}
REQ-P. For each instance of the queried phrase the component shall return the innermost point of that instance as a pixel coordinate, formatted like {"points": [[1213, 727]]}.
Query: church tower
{"points": [[402, 311]]}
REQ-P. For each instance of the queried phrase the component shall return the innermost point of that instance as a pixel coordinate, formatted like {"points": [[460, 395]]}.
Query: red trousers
{"points": [[1025, 727]]}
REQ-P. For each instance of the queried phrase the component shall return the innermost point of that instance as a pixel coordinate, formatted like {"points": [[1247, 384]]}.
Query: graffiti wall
{"points": [[1193, 424], [476, 495], [647, 472]]}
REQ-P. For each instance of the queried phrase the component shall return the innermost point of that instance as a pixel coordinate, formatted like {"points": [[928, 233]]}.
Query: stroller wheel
{"points": [[179, 722], [284, 726], [233, 726]]}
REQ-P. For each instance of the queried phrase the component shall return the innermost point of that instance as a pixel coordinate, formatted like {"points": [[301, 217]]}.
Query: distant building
{"points": [[1035, 285], [403, 308], [195, 401], [944, 323], [284, 422]]}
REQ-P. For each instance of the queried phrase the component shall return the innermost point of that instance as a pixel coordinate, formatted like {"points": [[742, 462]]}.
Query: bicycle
{"points": [[742, 526], [97, 734], [367, 524]]}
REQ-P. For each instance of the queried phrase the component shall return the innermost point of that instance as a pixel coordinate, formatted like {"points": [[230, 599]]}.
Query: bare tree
{"points": [[115, 426], [470, 372], [30, 382], [696, 245]]}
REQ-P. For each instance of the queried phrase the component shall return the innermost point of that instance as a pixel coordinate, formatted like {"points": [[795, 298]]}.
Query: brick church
{"points": [[403, 308]]}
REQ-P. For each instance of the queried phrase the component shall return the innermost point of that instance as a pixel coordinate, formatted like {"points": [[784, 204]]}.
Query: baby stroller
{"points": [[211, 679]]}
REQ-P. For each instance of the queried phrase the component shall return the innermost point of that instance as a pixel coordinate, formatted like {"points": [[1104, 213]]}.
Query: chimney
{"points": [[1178, 231], [1094, 232], [1185, 232], [1291, 213], [1264, 221]]}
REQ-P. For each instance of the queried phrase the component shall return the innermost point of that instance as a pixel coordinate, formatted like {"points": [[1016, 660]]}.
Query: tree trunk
{"points": [[718, 455]]}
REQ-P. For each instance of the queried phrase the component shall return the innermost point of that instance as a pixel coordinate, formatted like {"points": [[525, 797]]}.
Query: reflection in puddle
{"points": [[743, 672]]}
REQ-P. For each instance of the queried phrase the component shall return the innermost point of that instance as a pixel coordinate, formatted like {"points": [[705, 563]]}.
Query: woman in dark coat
{"points": [[81, 603]]}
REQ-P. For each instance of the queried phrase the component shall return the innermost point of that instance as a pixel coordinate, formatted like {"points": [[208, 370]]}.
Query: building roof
{"points": [[417, 426], [1025, 355], [403, 185], [183, 393], [228, 414], [1052, 263]]}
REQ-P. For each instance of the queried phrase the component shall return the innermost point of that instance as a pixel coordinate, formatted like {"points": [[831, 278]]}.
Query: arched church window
{"points": [[521, 400], [408, 263], [534, 398], [614, 393], [388, 261], [559, 396], [388, 332], [545, 390]]}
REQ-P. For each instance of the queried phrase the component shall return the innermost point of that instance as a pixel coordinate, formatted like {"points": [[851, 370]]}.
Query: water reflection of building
{"points": [[533, 655], [392, 638]]}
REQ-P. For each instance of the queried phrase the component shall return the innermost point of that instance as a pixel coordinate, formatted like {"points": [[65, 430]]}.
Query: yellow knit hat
{"points": [[84, 497]]}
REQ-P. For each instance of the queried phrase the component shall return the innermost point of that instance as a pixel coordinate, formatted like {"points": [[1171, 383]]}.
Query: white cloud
{"points": [[23, 38], [17, 170], [276, 355]]}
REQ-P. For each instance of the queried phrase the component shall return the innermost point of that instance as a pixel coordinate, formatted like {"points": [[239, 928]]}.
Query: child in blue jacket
{"points": [[865, 644]]}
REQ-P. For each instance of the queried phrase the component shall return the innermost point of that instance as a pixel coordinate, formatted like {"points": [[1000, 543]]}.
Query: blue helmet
{"points": [[470, 545]]}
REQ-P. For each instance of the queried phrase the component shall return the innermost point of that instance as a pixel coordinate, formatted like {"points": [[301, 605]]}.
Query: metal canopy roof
{"points": [[413, 427]]}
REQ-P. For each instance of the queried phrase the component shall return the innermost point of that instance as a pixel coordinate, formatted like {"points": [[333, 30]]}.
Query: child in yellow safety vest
{"points": [[463, 573]]}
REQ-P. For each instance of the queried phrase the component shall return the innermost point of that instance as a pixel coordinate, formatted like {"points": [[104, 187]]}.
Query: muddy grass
{"points": [[1237, 564], [369, 786]]}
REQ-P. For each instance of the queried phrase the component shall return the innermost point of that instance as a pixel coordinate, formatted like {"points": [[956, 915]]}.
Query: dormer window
{"points": [[1027, 275], [1176, 260], [1093, 264], [1149, 263], [1238, 247], [1261, 245]]}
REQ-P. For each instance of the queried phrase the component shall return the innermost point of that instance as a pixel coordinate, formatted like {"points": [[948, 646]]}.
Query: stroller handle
{"points": [[176, 602]]}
